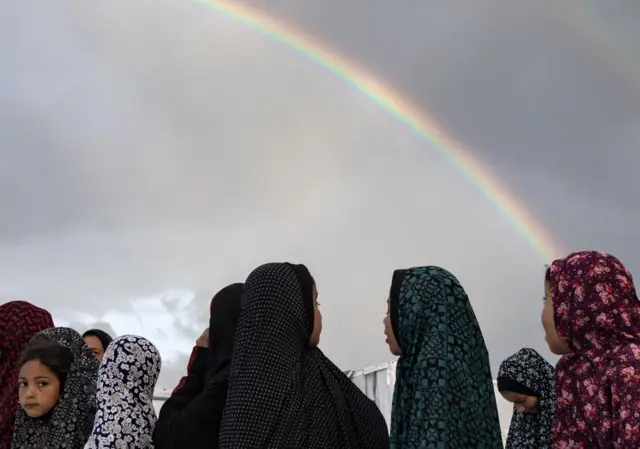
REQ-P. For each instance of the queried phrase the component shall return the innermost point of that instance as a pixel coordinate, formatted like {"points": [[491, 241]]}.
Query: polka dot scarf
{"points": [[282, 393]]}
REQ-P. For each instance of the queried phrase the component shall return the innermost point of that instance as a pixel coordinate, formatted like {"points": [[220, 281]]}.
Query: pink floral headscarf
{"points": [[597, 314]]}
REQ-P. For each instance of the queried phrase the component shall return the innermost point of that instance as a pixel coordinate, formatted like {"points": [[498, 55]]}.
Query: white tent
{"points": [[377, 383]]}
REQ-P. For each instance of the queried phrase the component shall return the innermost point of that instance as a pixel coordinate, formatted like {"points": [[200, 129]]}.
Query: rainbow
{"points": [[402, 110]]}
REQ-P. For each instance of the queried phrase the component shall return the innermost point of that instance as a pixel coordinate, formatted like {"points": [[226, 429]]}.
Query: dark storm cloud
{"points": [[153, 146]]}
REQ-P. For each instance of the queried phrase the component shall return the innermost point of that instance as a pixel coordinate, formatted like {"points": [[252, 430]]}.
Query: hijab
{"points": [[527, 372], [126, 380], [283, 393], [444, 393], [190, 418], [597, 315], [105, 339], [69, 423], [19, 321], [223, 321]]}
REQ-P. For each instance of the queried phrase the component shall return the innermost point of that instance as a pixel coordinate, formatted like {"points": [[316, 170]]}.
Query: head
{"points": [[283, 298], [311, 304], [591, 304], [43, 370], [131, 366], [412, 321], [19, 322], [224, 316], [556, 345], [391, 339], [97, 341], [524, 378]]}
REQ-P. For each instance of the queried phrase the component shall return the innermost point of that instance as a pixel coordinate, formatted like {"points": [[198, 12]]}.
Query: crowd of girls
{"points": [[257, 379]]}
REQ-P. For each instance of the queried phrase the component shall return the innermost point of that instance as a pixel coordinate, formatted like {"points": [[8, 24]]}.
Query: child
{"points": [[44, 366], [57, 392], [126, 380]]}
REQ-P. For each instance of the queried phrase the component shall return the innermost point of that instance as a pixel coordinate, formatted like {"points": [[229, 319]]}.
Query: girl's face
{"points": [[314, 339], [556, 345], [394, 347], [95, 345], [522, 402], [39, 388]]}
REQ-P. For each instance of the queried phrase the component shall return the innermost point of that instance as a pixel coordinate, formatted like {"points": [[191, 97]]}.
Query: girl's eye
{"points": [[22, 384], [42, 384]]}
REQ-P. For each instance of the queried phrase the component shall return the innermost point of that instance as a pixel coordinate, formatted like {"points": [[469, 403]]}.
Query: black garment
{"points": [[282, 393], [105, 339], [197, 368], [190, 418]]}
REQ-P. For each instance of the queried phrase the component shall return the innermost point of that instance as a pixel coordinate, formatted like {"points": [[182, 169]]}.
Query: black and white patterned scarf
{"points": [[127, 377], [282, 393], [529, 369], [70, 421]]}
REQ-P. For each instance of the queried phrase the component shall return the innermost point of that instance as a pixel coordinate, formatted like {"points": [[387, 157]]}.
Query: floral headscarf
{"points": [[71, 420], [128, 375], [597, 315], [526, 368]]}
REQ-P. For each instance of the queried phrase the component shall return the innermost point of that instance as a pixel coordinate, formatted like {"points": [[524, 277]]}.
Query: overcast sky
{"points": [[154, 152]]}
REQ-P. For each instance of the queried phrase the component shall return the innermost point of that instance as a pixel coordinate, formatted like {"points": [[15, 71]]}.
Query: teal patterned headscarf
{"points": [[444, 397]]}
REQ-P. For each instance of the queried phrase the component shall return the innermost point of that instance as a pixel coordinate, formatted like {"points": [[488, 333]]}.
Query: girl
{"points": [[443, 394], [283, 392], [592, 319], [190, 418], [19, 322], [98, 341], [126, 380], [528, 381], [57, 382]]}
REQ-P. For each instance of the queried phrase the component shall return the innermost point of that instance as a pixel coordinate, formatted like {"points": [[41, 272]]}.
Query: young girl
{"points": [[528, 381], [43, 370], [592, 319], [127, 377], [443, 395], [57, 392], [283, 391]]}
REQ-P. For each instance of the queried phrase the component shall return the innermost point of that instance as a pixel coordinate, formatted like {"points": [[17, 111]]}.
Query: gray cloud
{"points": [[158, 150]]}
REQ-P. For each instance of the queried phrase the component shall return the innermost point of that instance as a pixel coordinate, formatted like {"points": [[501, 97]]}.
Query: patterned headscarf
{"points": [[126, 380], [529, 369], [597, 315], [19, 321], [444, 393], [282, 393], [70, 421]]}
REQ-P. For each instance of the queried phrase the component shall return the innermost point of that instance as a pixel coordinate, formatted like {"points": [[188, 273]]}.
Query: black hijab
{"points": [[282, 393], [190, 418], [223, 321], [105, 339]]}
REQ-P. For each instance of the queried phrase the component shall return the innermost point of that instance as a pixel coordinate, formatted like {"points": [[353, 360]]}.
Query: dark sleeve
{"points": [[192, 384], [196, 425]]}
